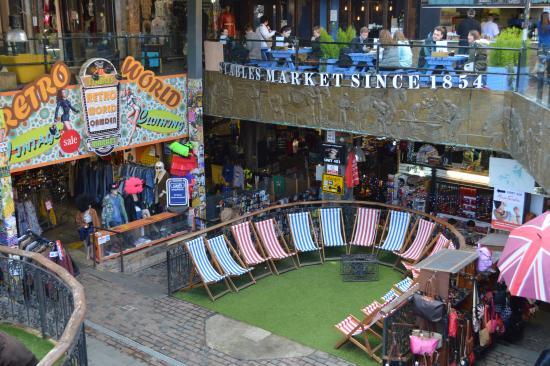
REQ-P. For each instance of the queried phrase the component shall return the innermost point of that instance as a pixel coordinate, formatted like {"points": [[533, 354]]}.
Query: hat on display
{"points": [[114, 186], [133, 185]]}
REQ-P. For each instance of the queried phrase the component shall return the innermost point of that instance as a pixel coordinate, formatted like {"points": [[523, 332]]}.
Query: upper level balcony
{"points": [[487, 95]]}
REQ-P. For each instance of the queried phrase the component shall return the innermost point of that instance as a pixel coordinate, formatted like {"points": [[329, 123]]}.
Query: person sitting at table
{"points": [[478, 51], [359, 44], [389, 55], [282, 39], [265, 34], [316, 52], [227, 43], [405, 52], [252, 43], [429, 45]]}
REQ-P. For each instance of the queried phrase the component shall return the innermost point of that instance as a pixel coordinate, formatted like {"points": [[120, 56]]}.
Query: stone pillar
{"points": [[8, 225]]}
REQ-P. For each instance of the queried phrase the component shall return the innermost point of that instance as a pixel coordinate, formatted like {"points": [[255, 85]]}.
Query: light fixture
{"points": [[391, 7], [362, 7], [377, 7], [16, 32], [358, 18], [346, 8]]}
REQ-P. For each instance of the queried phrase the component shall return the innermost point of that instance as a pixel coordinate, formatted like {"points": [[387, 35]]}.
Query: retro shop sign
{"points": [[100, 90], [50, 120]]}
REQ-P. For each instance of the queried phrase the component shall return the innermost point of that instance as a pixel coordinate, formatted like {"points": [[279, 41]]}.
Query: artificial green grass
{"points": [[302, 305], [37, 345]]}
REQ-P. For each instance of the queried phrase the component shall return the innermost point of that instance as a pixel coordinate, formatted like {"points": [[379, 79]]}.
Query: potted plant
{"points": [[502, 62], [330, 50]]}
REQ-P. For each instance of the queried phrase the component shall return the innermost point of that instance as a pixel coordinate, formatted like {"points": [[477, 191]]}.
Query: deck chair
{"points": [[397, 231], [403, 286], [209, 272], [274, 244], [251, 253], [389, 296], [332, 230], [228, 259], [357, 331], [441, 243], [365, 228], [420, 244], [301, 231]]}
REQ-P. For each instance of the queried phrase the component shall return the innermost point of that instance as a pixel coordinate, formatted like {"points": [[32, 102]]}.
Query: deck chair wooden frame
{"points": [[281, 242], [383, 238], [354, 240], [257, 248], [215, 266], [324, 246], [313, 235], [419, 248], [235, 257], [358, 333]]}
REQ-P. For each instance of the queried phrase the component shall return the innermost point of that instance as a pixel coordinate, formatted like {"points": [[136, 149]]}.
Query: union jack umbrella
{"points": [[525, 261]]}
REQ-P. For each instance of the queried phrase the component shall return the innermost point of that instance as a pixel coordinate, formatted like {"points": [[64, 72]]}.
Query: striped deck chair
{"points": [[274, 244], [389, 296], [403, 286], [209, 272], [301, 231], [332, 230], [228, 259], [397, 231], [441, 243], [358, 332], [365, 228], [250, 252], [420, 244]]}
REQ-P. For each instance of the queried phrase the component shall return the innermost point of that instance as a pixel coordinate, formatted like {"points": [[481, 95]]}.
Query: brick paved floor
{"points": [[137, 307]]}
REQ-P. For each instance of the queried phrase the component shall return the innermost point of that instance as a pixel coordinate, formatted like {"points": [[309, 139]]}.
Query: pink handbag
{"points": [[423, 345]]}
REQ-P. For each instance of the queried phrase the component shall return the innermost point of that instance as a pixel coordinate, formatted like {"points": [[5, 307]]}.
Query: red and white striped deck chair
{"points": [[251, 253], [420, 244], [275, 244], [358, 332], [365, 228], [441, 243]]}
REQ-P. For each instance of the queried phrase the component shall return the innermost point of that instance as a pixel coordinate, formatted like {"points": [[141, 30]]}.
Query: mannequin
{"points": [[113, 212], [227, 20], [159, 27], [161, 176]]}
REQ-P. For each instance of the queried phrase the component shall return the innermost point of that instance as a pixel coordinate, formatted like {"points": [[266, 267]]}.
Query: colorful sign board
{"points": [[333, 154], [507, 209], [50, 120], [510, 174], [178, 191], [333, 184]]}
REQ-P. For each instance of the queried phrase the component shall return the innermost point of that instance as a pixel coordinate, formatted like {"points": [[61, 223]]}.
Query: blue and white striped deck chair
{"points": [[332, 229], [397, 231], [403, 285], [389, 296], [229, 260], [301, 232], [204, 268]]}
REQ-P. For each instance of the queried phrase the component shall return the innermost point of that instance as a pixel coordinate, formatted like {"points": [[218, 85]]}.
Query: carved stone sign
{"points": [[357, 80]]}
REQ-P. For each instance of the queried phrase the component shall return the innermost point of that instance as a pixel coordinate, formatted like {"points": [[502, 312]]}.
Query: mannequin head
{"points": [[159, 169]]}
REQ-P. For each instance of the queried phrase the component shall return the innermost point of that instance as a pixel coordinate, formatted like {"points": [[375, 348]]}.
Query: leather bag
{"points": [[427, 306]]}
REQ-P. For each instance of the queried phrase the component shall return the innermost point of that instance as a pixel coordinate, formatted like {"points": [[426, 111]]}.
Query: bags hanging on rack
{"points": [[485, 333], [453, 323], [423, 344], [427, 305], [394, 357]]}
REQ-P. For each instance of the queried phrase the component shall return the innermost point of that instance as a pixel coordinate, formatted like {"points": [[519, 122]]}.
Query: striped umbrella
{"points": [[525, 261]]}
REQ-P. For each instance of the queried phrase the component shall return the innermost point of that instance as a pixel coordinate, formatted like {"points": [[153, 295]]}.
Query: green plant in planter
{"points": [[508, 38], [329, 50], [344, 38]]}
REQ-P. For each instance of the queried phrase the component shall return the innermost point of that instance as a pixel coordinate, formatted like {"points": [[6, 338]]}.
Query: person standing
{"points": [[265, 34], [543, 29], [467, 25], [489, 28]]}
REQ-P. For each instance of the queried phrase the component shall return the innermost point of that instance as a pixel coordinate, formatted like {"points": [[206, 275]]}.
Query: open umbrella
{"points": [[525, 261]]}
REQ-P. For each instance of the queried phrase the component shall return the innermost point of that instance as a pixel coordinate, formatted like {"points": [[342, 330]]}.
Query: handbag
{"points": [[427, 306], [492, 322], [485, 333], [423, 345], [453, 323], [422, 333]]}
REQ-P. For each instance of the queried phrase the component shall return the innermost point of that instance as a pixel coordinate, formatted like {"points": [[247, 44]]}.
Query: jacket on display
{"points": [[81, 222], [108, 209]]}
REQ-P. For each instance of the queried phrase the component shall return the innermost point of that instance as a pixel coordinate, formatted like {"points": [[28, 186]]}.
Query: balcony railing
{"points": [[164, 54], [179, 262], [524, 70], [39, 294]]}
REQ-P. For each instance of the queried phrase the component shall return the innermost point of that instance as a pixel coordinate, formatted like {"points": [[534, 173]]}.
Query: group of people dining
{"points": [[392, 51]]}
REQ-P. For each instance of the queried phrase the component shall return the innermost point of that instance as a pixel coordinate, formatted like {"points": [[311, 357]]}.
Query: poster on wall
{"points": [[509, 174], [178, 191], [100, 89], [333, 184], [507, 209], [64, 121], [333, 154]]}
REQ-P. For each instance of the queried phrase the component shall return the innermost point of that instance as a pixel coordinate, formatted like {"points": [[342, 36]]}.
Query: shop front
{"points": [[92, 163]]}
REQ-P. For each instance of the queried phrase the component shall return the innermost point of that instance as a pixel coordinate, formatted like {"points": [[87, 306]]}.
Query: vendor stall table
{"points": [[448, 261]]}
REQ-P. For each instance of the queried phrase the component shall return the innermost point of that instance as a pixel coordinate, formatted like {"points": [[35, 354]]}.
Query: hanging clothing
{"points": [[27, 218], [352, 173], [238, 177], [133, 208], [160, 191], [93, 178], [113, 212], [147, 175]]}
